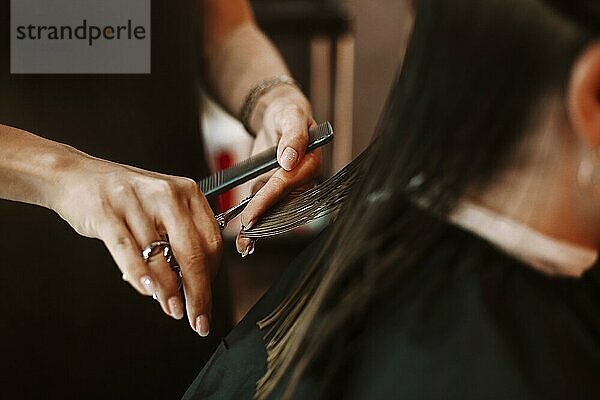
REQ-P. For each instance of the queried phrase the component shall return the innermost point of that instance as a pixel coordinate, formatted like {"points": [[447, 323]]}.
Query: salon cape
{"points": [[471, 321]]}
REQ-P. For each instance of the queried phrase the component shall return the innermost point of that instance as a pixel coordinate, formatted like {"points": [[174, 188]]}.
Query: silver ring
{"points": [[149, 251], [163, 247]]}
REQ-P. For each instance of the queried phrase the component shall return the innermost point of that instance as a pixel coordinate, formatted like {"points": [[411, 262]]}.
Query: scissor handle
{"points": [[225, 217]]}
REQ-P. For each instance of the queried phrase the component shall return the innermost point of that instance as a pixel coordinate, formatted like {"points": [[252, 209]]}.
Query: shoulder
{"points": [[474, 323]]}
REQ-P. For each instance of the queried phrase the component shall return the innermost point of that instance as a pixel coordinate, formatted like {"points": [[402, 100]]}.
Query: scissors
{"points": [[236, 175], [225, 217]]}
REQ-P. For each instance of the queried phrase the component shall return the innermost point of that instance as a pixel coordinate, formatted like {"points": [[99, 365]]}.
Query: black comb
{"points": [[257, 165]]}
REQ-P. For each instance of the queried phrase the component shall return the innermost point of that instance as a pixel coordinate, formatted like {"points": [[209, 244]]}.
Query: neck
{"points": [[542, 192]]}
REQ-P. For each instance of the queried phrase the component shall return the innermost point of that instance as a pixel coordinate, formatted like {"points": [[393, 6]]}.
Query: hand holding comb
{"points": [[258, 164], [253, 167]]}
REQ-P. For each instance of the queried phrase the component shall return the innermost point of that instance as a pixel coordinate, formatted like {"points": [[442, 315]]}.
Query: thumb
{"points": [[293, 141]]}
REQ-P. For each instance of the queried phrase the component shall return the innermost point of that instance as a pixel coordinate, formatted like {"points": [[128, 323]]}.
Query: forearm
{"points": [[31, 166], [245, 58], [238, 61]]}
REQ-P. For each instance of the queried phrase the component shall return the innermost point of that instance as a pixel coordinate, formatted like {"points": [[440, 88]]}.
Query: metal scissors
{"points": [[238, 174], [225, 217]]}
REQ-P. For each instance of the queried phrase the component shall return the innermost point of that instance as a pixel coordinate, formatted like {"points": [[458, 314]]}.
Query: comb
{"points": [[258, 164], [308, 206]]}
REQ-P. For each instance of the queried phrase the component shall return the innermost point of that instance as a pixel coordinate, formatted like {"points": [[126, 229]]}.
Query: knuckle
{"points": [[287, 116], [259, 198], [188, 185], [118, 182], [278, 184], [257, 185], [195, 257], [121, 242], [165, 188], [120, 189], [293, 110], [215, 244]]}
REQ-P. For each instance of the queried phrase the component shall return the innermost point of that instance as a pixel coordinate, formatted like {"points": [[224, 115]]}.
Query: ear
{"points": [[584, 95]]}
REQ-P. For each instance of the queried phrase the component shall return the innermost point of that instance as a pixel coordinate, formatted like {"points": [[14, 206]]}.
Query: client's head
{"points": [[498, 102]]}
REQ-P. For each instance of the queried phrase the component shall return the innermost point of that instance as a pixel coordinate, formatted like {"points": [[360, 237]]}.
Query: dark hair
{"points": [[473, 79]]}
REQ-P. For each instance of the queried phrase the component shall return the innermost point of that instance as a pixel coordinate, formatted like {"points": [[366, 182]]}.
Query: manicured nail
{"points": [[249, 248], [202, 326], [246, 251], [148, 285], [124, 277], [288, 158], [175, 307]]}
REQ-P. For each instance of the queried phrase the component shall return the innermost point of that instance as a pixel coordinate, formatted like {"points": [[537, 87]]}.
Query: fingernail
{"points": [[288, 158], [155, 296], [148, 284], [246, 251], [175, 307], [249, 249], [202, 326], [124, 277]]}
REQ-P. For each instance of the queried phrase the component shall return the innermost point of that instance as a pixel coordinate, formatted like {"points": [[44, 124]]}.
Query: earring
{"points": [[588, 175]]}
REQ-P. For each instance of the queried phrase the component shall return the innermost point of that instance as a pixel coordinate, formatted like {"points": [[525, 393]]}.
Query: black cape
{"points": [[471, 323]]}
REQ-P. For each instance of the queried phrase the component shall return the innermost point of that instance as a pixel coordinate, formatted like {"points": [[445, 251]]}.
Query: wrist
{"points": [[34, 170], [277, 100], [50, 174], [261, 95]]}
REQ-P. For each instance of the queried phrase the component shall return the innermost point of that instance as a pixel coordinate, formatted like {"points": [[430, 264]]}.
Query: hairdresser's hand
{"points": [[284, 123], [129, 208]]}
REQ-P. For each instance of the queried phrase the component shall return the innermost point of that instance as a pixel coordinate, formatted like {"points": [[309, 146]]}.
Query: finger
{"points": [[281, 183], [261, 181], [293, 130], [204, 220], [144, 231], [192, 249], [278, 185], [244, 246], [262, 142], [127, 254]]}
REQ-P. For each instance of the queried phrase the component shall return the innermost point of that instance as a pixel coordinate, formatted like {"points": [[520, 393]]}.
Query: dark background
{"points": [[76, 330], [60, 330]]}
